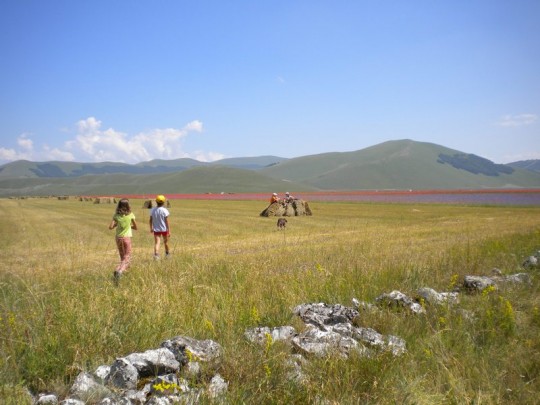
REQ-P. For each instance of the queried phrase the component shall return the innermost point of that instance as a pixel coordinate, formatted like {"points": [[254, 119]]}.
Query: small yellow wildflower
{"points": [[268, 343], [254, 316], [165, 387], [442, 321], [11, 319], [209, 326], [453, 280], [267, 370], [190, 356], [488, 290]]}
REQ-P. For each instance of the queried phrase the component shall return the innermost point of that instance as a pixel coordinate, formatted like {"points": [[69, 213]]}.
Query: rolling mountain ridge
{"points": [[57, 169], [401, 164], [533, 165]]}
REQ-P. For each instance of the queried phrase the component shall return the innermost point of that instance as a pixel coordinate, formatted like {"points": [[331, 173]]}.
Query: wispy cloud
{"points": [[9, 155], [517, 120], [93, 143], [25, 143], [24, 152], [522, 156]]}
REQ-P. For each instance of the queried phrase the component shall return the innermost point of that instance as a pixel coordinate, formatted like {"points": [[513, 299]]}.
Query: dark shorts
{"points": [[161, 233]]}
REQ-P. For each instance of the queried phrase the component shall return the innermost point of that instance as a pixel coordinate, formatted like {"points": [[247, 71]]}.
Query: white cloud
{"points": [[24, 142], [56, 154], [46, 154], [207, 156], [11, 154], [522, 156], [100, 145], [517, 120], [93, 143], [195, 125]]}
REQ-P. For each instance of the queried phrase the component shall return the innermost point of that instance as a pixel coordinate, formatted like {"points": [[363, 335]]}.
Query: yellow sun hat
{"points": [[160, 198]]}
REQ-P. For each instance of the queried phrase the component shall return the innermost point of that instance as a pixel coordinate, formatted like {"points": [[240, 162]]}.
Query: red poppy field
{"points": [[496, 197]]}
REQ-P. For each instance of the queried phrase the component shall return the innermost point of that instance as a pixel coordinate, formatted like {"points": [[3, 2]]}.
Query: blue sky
{"points": [[132, 81]]}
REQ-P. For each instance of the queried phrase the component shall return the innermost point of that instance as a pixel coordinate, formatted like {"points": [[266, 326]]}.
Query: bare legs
{"points": [[124, 250], [157, 244]]}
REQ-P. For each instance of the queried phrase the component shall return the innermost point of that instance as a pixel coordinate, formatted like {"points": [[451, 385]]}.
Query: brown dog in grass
{"points": [[281, 223]]}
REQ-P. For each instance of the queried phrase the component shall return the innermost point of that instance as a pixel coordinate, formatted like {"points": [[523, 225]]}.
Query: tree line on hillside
{"points": [[474, 164]]}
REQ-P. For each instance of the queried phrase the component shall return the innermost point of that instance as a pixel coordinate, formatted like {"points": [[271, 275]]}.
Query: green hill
{"points": [[402, 164], [26, 169], [533, 165]]}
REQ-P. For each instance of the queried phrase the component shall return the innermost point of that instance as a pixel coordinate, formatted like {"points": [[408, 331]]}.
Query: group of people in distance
{"points": [[124, 222], [284, 201]]}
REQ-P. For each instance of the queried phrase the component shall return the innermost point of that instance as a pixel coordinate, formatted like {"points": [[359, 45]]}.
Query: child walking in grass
{"points": [[159, 226], [124, 221]]}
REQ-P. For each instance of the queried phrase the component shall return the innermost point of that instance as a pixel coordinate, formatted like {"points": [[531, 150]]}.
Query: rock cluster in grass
{"points": [[480, 283], [329, 330], [430, 296], [156, 377], [533, 261]]}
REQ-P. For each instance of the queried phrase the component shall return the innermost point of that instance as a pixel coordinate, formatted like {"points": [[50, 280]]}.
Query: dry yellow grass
{"points": [[231, 269]]}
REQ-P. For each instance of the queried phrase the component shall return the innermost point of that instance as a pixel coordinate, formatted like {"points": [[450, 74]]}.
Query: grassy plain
{"points": [[231, 270]]}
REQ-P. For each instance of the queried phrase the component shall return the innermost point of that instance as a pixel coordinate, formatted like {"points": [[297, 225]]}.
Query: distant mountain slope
{"points": [[250, 162], [474, 164], [401, 164], [194, 180], [533, 165], [26, 169]]}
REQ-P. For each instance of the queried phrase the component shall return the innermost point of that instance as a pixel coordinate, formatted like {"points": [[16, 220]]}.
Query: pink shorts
{"points": [[161, 233]]}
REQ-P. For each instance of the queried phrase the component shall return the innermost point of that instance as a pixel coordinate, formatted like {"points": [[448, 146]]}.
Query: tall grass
{"points": [[60, 312]]}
